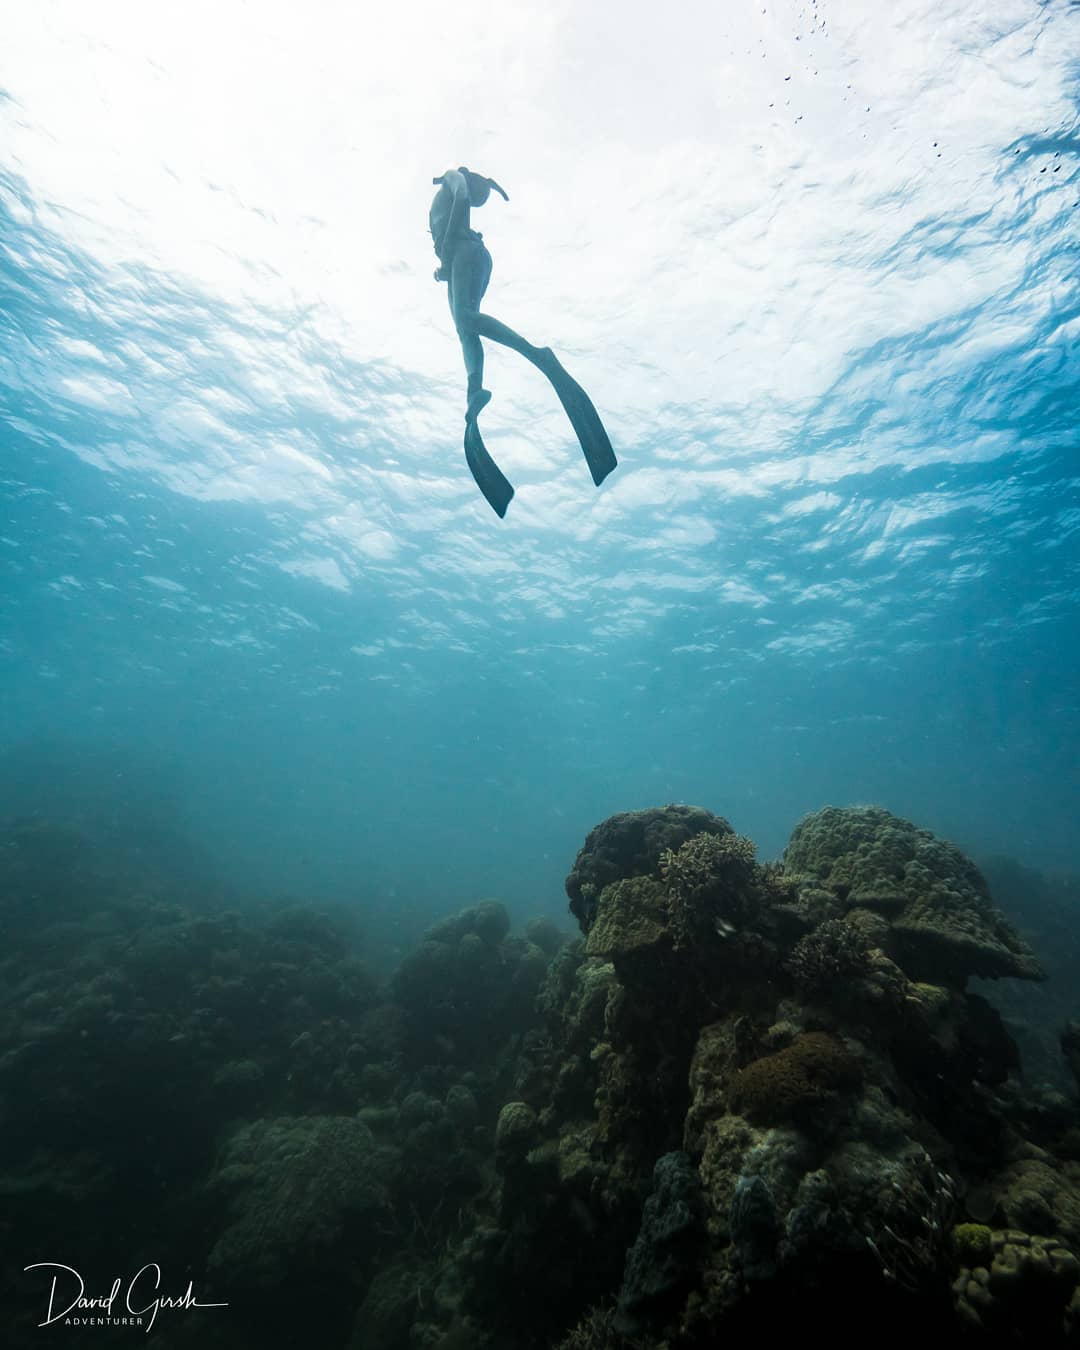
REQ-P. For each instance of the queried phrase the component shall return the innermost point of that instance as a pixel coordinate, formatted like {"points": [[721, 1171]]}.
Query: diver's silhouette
{"points": [[465, 263]]}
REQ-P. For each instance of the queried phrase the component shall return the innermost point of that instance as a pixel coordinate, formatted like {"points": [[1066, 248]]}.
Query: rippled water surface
{"points": [[815, 263]]}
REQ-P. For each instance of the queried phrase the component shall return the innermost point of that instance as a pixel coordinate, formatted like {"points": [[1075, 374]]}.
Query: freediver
{"points": [[465, 264]]}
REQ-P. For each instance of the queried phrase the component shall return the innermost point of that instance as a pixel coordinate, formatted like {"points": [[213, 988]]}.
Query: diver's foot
{"points": [[477, 403], [546, 360]]}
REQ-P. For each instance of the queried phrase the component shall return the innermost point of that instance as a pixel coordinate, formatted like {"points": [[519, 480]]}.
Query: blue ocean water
{"points": [[252, 600]]}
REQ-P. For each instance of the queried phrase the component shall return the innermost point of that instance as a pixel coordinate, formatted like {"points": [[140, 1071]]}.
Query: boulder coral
{"points": [[942, 924], [1022, 1289]]}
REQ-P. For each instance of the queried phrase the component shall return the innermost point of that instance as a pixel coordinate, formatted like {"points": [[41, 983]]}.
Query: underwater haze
{"points": [[305, 748], [816, 264]]}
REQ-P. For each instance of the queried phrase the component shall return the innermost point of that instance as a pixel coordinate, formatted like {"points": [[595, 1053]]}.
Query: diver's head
{"points": [[480, 187]]}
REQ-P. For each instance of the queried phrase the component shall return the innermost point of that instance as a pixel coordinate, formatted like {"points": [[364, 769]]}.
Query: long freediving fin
{"points": [[584, 418], [489, 477]]}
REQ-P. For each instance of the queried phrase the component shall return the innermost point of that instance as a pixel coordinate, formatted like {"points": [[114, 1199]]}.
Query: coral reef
{"points": [[466, 982], [943, 926], [631, 844], [293, 1184], [1024, 1289], [662, 1260], [241, 1099], [751, 1103], [630, 914], [780, 1073], [707, 867], [837, 950], [796, 1082]]}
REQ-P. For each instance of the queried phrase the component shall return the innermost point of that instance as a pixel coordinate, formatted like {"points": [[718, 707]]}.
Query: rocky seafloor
{"points": [[752, 1101]]}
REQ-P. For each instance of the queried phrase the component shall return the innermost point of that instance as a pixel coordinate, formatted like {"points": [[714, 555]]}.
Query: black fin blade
{"points": [[583, 416], [489, 477]]}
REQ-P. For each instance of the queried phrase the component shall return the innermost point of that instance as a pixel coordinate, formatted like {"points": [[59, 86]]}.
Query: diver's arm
{"points": [[459, 190], [454, 179], [454, 183]]}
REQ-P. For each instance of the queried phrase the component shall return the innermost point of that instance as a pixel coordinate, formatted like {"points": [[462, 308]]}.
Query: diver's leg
{"points": [[542, 357], [500, 332], [473, 351], [469, 279], [470, 276], [583, 416]]}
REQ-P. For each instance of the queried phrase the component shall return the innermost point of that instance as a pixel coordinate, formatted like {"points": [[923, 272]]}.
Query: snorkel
{"points": [[479, 187]]}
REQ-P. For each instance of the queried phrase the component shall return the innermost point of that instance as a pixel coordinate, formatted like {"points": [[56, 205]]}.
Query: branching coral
{"points": [[712, 878], [705, 861], [596, 1331], [630, 845], [835, 950]]}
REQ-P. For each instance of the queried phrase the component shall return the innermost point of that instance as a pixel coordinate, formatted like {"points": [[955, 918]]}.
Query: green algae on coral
{"points": [[973, 1244], [631, 914]]}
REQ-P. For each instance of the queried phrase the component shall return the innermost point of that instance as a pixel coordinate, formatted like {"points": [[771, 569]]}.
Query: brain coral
{"points": [[630, 845], [943, 926], [783, 1087]]}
